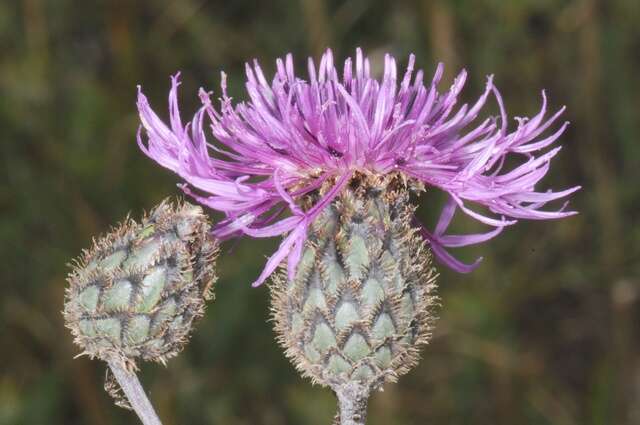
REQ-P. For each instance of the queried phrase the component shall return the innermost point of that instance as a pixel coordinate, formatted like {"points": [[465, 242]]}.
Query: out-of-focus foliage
{"points": [[544, 332]]}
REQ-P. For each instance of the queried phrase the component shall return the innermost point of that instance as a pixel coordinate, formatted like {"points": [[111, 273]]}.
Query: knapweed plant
{"points": [[136, 293], [333, 162]]}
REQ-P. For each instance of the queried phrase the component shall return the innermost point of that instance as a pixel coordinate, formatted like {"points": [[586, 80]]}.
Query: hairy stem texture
{"points": [[352, 404], [135, 394]]}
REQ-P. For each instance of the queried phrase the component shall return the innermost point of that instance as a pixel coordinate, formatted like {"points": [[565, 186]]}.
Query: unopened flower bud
{"points": [[137, 291]]}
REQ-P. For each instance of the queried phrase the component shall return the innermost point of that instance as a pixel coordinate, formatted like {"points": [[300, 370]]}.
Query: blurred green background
{"points": [[546, 331]]}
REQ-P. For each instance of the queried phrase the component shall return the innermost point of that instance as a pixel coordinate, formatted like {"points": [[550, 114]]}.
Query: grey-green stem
{"points": [[135, 394], [352, 404]]}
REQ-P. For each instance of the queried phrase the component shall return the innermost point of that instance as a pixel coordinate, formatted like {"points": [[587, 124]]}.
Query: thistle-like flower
{"points": [[329, 161], [136, 293]]}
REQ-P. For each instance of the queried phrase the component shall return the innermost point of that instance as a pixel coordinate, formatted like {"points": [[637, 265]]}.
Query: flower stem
{"points": [[135, 394], [352, 404]]}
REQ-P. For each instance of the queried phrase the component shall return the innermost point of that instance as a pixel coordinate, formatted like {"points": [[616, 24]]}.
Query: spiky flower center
{"points": [[360, 304]]}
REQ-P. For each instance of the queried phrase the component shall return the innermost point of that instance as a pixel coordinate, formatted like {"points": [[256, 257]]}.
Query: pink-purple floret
{"points": [[295, 134]]}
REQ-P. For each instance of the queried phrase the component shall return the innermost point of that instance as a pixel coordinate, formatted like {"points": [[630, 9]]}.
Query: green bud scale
{"points": [[137, 291], [362, 300]]}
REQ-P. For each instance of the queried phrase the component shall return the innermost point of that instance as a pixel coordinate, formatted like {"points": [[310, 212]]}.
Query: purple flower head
{"points": [[293, 135]]}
